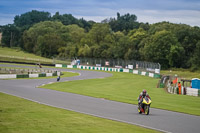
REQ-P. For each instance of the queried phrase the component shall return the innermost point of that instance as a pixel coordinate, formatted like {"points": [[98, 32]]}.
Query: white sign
{"points": [[107, 63], [98, 65], [130, 66], [157, 71]]}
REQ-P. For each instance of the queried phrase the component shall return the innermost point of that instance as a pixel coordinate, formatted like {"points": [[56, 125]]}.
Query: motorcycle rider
{"points": [[142, 95]]}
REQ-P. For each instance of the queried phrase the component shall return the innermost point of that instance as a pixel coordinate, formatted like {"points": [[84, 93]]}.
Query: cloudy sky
{"points": [[151, 11]]}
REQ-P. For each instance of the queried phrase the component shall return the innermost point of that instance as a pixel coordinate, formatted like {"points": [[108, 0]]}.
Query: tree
{"points": [[10, 36], [26, 20], [159, 46], [68, 19], [196, 57], [76, 33], [45, 38], [124, 23], [175, 55], [85, 51], [136, 36], [98, 33]]}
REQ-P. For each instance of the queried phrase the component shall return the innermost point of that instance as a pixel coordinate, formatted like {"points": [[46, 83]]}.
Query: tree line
{"points": [[171, 45]]}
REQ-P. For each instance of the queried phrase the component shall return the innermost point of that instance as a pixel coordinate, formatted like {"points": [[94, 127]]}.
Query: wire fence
{"points": [[117, 63], [120, 63]]}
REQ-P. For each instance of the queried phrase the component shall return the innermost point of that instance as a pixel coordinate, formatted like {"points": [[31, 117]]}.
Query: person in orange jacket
{"points": [[179, 87]]}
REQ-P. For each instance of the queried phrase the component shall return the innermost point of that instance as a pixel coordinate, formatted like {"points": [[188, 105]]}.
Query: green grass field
{"points": [[125, 87], [22, 116]]}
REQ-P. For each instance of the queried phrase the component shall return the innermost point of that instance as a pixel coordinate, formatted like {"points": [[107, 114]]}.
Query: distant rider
{"points": [[142, 95]]}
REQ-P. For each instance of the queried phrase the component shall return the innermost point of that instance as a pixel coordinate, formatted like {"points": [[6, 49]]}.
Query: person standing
{"points": [[179, 87]]}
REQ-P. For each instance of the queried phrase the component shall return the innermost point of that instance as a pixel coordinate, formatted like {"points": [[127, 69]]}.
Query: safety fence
{"points": [[144, 73]]}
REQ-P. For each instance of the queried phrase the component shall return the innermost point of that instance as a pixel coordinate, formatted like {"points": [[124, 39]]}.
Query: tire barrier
{"points": [[173, 89], [144, 73]]}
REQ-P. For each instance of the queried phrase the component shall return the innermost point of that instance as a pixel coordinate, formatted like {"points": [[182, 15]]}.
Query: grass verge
{"points": [[125, 87], [22, 116]]}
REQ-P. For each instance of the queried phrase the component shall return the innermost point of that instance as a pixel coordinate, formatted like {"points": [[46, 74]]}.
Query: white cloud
{"points": [[152, 11], [190, 17], [6, 19]]}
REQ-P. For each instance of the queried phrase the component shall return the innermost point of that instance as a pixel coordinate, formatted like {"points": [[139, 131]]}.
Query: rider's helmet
{"points": [[144, 92]]}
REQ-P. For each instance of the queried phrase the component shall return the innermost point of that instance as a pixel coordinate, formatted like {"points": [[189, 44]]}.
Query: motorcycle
{"points": [[145, 106]]}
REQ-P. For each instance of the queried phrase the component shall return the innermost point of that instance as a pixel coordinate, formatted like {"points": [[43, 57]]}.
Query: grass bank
{"points": [[125, 87], [22, 116], [17, 55], [183, 73]]}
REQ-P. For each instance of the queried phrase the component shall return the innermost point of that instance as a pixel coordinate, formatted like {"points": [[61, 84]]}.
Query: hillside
{"points": [[17, 55]]}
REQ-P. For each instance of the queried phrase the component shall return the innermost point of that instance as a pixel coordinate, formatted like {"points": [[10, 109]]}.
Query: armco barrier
{"points": [[126, 70], [63, 65], [139, 72], [33, 75], [49, 74], [8, 76], [156, 75], [23, 76], [59, 65], [149, 74], [130, 70], [11, 76], [42, 75], [135, 71], [143, 73]]}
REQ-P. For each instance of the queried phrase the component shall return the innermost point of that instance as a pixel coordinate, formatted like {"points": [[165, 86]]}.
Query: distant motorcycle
{"points": [[145, 106]]}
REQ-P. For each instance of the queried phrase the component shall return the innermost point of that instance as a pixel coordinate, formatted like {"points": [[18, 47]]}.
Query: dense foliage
{"points": [[172, 45]]}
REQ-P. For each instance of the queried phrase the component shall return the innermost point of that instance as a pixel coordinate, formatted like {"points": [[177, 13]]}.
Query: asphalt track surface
{"points": [[161, 120]]}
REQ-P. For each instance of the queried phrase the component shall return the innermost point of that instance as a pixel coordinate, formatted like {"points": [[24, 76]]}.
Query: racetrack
{"points": [[162, 120]]}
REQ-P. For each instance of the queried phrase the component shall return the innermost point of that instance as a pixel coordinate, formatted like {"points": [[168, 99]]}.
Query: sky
{"points": [[151, 11]]}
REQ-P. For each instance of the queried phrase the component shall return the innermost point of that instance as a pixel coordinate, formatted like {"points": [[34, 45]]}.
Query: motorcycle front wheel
{"points": [[146, 111]]}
